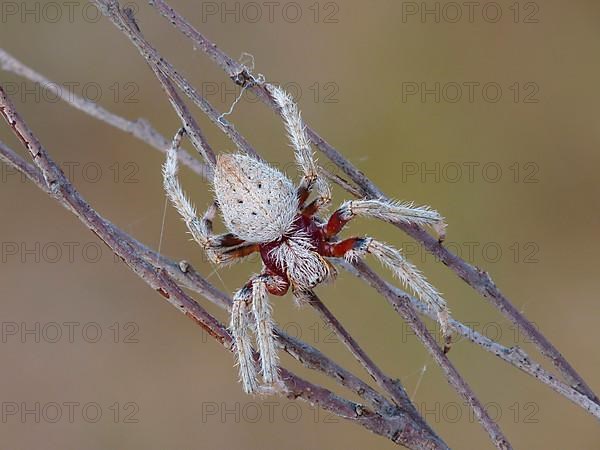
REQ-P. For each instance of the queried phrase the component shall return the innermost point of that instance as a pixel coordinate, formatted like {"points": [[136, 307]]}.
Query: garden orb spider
{"points": [[264, 212]]}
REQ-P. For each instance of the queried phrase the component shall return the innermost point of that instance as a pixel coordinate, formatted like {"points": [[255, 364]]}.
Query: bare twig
{"points": [[476, 278], [189, 123], [11, 158], [454, 378], [139, 128], [513, 355], [125, 22], [393, 387], [401, 428]]}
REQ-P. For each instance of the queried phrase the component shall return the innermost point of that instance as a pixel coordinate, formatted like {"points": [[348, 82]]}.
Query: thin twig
{"points": [[407, 312], [189, 123], [12, 158], [476, 278], [139, 128], [124, 20], [512, 355], [392, 386]]}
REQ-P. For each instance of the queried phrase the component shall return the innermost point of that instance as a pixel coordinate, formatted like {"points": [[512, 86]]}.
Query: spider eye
{"points": [[259, 185]]}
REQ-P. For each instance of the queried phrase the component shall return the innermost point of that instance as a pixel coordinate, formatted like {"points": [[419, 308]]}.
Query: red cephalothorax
{"points": [[319, 235], [304, 225], [265, 212]]}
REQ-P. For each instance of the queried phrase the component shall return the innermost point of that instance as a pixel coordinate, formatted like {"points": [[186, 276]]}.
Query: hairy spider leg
{"points": [[387, 211], [215, 246], [239, 326], [390, 257], [302, 148], [254, 297]]}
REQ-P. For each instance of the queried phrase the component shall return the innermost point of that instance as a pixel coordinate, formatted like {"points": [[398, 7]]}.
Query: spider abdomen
{"points": [[258, 202]]}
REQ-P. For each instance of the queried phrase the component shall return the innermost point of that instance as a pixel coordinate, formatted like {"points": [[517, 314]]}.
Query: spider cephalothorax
{"points": [[265, 213]]}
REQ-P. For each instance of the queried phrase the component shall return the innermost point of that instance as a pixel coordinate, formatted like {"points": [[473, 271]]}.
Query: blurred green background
{"points": [[491, 119]]}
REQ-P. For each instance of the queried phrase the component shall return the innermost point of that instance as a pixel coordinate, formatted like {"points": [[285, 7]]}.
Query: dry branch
{"points": [[139, 128]]}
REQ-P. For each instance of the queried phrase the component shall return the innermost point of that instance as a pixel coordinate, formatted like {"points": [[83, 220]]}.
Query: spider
{"points": [[266, 213]]}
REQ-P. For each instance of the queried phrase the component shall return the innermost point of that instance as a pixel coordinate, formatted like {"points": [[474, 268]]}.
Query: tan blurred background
{"points": [[514, 171]]}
